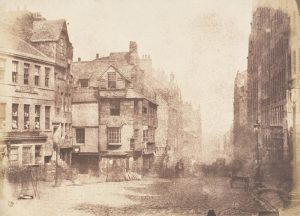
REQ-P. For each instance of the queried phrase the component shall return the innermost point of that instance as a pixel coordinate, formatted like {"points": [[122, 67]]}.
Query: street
{"points": [[184, 196]]}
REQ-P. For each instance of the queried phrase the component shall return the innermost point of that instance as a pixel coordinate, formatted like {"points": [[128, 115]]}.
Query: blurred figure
{"points": [[211, 213]]}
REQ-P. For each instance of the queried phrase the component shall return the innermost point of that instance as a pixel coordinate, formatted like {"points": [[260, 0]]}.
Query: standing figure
{"points": [[177, 170]]}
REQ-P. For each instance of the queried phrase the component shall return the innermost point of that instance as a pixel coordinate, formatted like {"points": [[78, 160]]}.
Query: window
{"points": [[80, 135], [66, 131], [37, 75], [151, 135], [26, 74], [84, 83], [14, 71], [136, 134], [26, 116], [2, 115], [47, 76], [15, 116], [132, 144], [112, 83], [145, 135], [26, 155], [57, 111], [136, 107], [115, 107], [114, 136], [2, 68], [145, 110], [47, 117], [13, 156], [37, 117]]}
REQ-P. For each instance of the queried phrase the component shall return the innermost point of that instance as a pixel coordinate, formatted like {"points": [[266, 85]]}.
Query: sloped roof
{"points": [[15, 45], [47, 30], [86, 69]]}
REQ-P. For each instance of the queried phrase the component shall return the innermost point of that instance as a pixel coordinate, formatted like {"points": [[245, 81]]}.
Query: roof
{"points": [[86, 69], [14, 45], [47, 30]]}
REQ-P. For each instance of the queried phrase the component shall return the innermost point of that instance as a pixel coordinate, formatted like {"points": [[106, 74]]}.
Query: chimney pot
{"points": [[97, 55], [79, 59]]}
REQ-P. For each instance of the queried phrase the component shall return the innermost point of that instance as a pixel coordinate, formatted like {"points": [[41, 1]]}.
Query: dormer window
{"points": [[112, 80], [84, 83]]}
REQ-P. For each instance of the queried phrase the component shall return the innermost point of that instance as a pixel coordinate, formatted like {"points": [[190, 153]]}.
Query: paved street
{"points": [[186, 196]]}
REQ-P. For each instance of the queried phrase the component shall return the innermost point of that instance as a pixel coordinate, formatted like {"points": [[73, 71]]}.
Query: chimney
{"points": [[97, 55], [133, 53], [79, 59], [133, 47]]}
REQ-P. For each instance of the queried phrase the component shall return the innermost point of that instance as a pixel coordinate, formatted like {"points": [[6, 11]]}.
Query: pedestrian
{"points": [[177, 170], [211, 213], [181, 168]]}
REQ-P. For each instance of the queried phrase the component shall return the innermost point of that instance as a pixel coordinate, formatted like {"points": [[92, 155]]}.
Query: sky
{"points": [[203, 42]]}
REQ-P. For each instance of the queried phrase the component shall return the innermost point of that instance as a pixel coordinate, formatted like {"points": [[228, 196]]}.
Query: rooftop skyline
{"points": [[202, 42]]}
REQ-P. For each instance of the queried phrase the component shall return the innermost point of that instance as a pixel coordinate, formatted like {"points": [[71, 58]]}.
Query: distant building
{"points": [[192, 141], [169, 134], [240, 132], [121, 120]]}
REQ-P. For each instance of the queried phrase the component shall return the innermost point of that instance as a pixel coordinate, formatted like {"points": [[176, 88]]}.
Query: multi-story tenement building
{"points": [[191, 146], [269, 71], [169, 134], [26, 101], [289, 10], [241, 146], [120, 124], [35, 61]]}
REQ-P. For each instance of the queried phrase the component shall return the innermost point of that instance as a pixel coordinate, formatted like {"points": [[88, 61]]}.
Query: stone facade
{"points": [[269, 69], [35, 59], [122, 113], [241, 137], [192, 130]]}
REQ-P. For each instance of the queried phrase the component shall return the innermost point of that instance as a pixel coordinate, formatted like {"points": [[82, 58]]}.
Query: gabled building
{"points": [[122, 118], [36, 96]]}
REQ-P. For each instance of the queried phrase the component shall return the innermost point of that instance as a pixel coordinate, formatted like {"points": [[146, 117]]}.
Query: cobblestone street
{"points": [[186, 196]]}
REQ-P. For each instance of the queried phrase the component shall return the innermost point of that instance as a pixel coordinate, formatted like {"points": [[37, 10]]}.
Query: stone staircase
{"points": [[155, 170]]}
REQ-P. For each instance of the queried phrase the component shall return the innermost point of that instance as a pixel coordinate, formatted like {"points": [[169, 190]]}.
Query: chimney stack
{"points": [[133, 47], [133, 53], [97, 55], [79, 59]]}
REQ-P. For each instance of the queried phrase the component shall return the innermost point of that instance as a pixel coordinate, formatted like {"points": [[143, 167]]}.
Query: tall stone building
{"points": [[192, 131], [35, 60], [170, 133], [278, 93], [122, 119], [273, 76], [240, 130]]}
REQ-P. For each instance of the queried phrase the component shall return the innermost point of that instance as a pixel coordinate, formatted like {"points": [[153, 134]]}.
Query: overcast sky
{"points": [[204, 42]]}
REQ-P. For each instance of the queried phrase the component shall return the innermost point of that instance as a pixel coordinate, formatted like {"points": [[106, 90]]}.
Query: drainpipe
{"points": [[99, 130]]}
